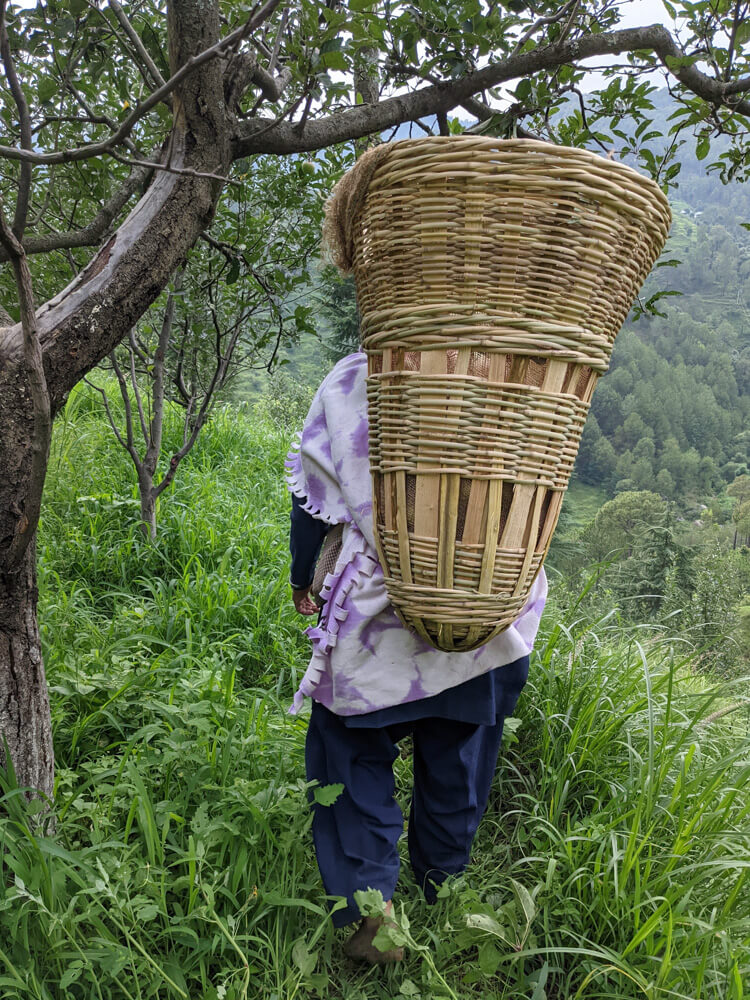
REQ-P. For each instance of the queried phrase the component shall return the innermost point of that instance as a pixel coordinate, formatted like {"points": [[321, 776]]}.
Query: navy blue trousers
{"points": [[356, 838]]}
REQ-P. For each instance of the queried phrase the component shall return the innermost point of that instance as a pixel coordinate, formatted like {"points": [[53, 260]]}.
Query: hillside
{"points": [[672, 414]]}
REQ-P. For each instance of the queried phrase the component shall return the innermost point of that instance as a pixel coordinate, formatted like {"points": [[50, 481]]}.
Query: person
{"points": [[373, 682]]}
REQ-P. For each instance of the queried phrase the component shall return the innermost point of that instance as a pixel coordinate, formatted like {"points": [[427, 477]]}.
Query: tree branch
{"points": [[541, 22], [179, 379], [93, 233], [130, 444], [24, 183], [185, 171], [217, 381], [118, 137], [363, 120], [136, 390], [97, 119], [244, 69], [108, 411], [151, 457], [156, 78]]}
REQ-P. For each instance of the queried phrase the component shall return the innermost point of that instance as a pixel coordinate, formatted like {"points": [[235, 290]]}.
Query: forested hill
{"points": [[672, 414]]}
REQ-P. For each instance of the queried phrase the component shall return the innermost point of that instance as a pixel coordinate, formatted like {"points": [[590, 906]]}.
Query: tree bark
{"points": [[24, 702], [148, 504]]}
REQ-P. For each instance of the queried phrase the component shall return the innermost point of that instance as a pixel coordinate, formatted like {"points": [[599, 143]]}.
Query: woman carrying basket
{"points": [[373, 681]]}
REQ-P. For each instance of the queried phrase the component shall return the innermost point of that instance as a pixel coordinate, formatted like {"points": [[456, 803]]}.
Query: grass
{"points": [[581, 503], [612, 862]]}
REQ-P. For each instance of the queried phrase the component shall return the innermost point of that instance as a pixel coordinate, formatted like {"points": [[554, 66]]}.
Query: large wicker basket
{"points": [[492, 278]]}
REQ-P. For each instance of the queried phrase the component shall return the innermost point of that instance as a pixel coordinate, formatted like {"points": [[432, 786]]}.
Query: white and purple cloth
{"points": [[363, 658]]}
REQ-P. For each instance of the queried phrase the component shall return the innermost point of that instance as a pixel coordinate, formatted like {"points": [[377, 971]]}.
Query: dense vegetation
{"points": [[613, 861], [672, 414]]}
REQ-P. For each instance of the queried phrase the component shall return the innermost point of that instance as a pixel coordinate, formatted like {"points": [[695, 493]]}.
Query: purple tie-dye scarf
{"points": [[363, 657]]}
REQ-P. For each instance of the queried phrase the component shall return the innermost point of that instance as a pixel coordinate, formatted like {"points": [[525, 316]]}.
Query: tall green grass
{"points": [[612, 862]]}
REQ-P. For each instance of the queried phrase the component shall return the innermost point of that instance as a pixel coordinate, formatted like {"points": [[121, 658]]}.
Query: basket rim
{"points": [[566, 156]]}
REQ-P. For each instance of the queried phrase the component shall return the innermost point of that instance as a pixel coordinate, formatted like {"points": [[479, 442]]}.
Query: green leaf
{"points": [[408, 989], [489, 957], [525, 899], [334, 60], [304, 960], [390, 936], [326, 795], [370, 902], [46, 89], [73, 973], [539, 992], [484, 922], [234, 271], [510, 728], [523, 90], [702, 147], [148, 912]]}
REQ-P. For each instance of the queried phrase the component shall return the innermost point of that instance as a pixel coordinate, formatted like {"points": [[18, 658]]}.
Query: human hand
{"points": [[303, 603]]}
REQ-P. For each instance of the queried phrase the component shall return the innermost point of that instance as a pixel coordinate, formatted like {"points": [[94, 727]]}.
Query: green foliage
{"points": [[339, 311], [612, 861], [211, 591], [619, 523], [709, 594], [285, 402], [649, 566]]}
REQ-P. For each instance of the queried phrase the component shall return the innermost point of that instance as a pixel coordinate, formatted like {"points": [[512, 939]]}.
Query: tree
{"points": [[643, 579], [228, 312], [739, 490], [665, 484], [115, 147], [741, 517], [619, 522]]}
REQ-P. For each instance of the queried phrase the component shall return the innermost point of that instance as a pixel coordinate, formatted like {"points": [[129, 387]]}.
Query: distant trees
{"points": [[740, 492], [619, 524], [652, 568], [670, 405], [338, 301], [682, 380]]}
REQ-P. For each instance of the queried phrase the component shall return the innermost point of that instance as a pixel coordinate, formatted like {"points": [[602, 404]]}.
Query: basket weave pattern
{"points": [[492, 278]]}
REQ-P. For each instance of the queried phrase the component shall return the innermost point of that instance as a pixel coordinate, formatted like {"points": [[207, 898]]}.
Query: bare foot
{"points": [[360, 947]]}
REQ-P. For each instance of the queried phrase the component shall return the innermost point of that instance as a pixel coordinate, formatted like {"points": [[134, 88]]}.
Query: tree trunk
{"points": [[24, 703], [148, 505]]}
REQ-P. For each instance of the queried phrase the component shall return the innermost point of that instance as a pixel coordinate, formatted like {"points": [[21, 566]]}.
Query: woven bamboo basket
{"points": [[492, 277]]}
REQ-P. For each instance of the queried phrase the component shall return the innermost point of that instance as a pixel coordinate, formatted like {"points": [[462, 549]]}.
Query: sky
{"points": [[639, 13]]}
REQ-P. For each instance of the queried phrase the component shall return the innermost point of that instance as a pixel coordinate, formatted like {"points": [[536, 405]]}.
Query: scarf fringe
{"points": [[296, 484], [335, 590]]}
